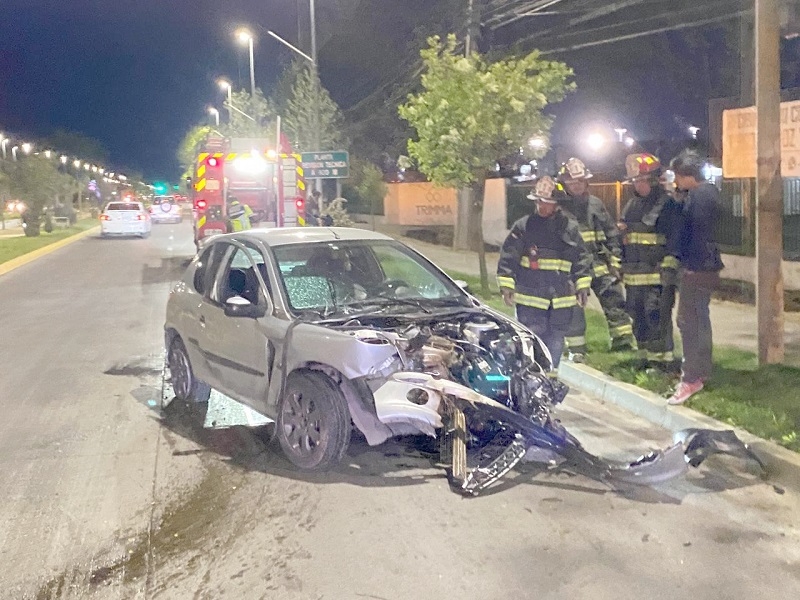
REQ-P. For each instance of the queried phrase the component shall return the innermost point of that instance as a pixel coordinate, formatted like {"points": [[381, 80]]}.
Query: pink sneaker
{"points": [[684, 391]]}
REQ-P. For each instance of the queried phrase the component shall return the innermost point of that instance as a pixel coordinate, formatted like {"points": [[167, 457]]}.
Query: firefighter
{"points": [[545, 269], [239, 215], [648, 268], [602, 240]]}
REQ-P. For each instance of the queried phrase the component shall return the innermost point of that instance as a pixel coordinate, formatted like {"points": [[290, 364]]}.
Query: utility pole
{"points": [[769, 187], [315, 74]]}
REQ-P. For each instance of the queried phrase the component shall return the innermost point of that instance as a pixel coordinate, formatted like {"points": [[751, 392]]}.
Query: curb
{"points": [[782, 465], [16, 263]]}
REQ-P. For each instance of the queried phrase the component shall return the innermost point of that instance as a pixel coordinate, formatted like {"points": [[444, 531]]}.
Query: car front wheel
{"points": [[186, 386], [313, 421]]}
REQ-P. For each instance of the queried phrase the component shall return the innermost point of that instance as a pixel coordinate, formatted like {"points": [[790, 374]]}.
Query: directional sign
{"points": [[326, 165]]}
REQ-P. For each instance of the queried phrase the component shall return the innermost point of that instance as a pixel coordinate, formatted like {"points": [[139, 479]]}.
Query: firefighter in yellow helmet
{"points": [[648, 266], [544, 269], [601, 237], [239, 215]]}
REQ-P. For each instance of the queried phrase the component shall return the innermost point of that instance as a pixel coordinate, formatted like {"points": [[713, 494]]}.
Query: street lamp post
{"points": [[225, 85], [214, 113], [14, 152], [246, 37]]}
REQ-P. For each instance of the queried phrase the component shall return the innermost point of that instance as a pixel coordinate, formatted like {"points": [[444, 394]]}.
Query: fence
{"points": [[736, 224]]}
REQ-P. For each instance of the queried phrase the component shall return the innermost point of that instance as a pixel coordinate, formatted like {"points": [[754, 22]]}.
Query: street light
{"points": [[226, 86], [596, 141], [214, 113], [26, 148], [629, 141], [47, 153], [537, 143], [621, 131], [247, 38], [693, 131], [76, 163], [14, 152], [63, 159], [3, 144]]}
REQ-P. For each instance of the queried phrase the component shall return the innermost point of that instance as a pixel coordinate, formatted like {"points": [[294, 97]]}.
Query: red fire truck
{"points": [[250, 170]]}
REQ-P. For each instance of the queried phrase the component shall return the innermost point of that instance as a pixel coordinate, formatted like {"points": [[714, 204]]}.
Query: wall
{"points": [[419, 204], [743, 268]]}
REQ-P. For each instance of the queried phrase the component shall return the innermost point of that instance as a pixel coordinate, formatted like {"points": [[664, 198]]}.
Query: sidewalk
{"points": [[733, 324]]}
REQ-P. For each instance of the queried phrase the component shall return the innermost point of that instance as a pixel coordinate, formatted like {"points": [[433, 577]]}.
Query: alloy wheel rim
{"points": [[179, 368], [302, 425]]}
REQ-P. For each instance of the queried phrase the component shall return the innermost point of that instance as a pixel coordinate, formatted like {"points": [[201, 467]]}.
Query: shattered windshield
{"points": [[349, 275]]}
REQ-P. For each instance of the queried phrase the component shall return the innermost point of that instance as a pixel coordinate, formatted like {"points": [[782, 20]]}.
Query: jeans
{"points": [[694, 322]]}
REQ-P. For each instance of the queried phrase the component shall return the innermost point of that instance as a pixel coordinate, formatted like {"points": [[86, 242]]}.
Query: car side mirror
{"points": [[236, 306], [462, 284]]}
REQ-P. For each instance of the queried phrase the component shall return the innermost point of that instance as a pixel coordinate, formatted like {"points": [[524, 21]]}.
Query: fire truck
{"points": [[250, 170]]}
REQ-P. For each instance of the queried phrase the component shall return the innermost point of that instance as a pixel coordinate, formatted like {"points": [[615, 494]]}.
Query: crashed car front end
{"points": [[482, 384]]}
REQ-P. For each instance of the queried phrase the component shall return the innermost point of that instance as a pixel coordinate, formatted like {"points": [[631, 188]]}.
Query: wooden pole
{"points": [[769, 188]]}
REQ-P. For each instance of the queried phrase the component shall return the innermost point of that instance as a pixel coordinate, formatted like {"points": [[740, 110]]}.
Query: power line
{"points": [[631, 36]]}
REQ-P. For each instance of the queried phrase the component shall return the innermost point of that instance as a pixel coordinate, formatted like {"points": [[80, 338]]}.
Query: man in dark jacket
{"points": [[647, 223], [700, 263], [601, 237], [545, 269]]}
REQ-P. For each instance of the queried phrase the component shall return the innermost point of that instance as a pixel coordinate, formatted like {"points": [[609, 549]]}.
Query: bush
{"points": [[337, 212]]}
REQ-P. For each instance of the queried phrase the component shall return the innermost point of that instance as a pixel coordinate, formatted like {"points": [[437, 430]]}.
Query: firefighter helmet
{"points": [[640, 166], [572, 170], [544, 190]]}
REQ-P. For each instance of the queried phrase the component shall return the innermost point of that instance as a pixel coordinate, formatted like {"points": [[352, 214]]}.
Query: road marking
{"points": [[23, 260]]}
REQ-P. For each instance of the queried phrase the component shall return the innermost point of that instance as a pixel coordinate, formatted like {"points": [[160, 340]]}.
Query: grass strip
{"points": [[13, 247]]}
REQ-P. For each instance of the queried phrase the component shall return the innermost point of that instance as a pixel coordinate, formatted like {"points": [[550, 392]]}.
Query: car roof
{"points": [[304, 235]]}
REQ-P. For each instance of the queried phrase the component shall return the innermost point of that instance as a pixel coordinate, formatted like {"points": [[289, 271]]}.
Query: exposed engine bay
{"points": [[486, 384]]}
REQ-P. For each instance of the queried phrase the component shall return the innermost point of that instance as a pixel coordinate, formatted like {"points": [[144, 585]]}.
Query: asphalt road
{"points": [[102, 498]]}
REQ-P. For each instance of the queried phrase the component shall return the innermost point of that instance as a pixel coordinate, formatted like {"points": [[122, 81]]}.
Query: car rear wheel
{"points": [[313, 421], [186, 386]]}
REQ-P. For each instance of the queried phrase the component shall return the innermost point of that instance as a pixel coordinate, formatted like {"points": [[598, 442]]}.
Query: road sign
{"points": [[326, 165]]}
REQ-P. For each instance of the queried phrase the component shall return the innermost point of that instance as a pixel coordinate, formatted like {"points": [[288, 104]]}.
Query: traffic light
{"points": [[160, 188]]}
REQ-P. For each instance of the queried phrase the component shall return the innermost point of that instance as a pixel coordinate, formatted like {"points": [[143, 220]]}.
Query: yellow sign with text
{"points": [[739, 141]]}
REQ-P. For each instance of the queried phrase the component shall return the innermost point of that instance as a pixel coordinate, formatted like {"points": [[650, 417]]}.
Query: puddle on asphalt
{"points": [[184, 526]]}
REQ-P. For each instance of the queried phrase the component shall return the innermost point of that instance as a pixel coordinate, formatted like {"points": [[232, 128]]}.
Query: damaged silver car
{"points": [[325, 328]]}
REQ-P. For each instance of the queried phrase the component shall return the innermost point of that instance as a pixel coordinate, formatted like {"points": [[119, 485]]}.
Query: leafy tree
{"points": [[77, 144], [471, 112], [37, 182], [259, 108], [307, 129], [187, 149]]}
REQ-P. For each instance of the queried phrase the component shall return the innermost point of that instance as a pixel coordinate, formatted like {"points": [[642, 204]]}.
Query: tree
{"points": [[307, 129], [471, 112], [187, 149], [37, 182], [258, 123], [77, 144]]}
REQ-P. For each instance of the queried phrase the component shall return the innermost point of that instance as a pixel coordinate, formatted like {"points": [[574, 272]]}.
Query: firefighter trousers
{"points": [[549, 325], [650, 308], [610, 293]]}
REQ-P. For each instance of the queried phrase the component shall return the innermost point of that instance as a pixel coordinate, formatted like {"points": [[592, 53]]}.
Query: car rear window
{"points": [[123, 206]]}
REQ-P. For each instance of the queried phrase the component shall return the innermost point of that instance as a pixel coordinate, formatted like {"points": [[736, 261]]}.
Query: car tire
{"points": [[186, 386], [145, 235], [313, 421]]}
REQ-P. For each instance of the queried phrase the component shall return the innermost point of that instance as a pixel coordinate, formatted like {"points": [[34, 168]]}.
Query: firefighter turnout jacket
{"points": [[545, 262], [239, 215], [649, 224], [598, 231]]}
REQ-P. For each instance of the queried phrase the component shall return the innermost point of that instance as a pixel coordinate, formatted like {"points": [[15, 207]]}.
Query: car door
{"points": [[237, 348], [195, 307]]}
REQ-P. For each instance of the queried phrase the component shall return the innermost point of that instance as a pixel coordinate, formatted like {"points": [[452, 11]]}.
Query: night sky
{"points": [[135, 74]]}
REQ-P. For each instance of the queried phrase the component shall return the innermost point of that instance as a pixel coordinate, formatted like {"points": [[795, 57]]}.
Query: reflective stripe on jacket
{"points": [[544, 261]]}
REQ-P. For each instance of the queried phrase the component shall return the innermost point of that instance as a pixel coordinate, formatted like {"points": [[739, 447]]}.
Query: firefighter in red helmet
{"points": [[648, 267]]}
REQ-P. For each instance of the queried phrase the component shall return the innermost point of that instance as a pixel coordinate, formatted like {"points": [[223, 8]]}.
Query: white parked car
{"points": [[125, 218], [165, 209]]}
